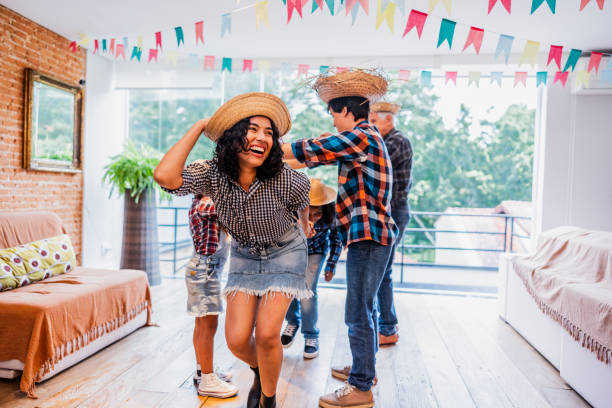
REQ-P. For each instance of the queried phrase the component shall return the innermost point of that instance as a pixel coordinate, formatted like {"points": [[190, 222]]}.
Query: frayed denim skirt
{"points": [[281, 267]]}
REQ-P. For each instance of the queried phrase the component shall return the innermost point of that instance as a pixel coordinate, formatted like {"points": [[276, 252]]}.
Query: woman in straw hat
{"points": [[324, 249], [364, 214], [256, 197]]}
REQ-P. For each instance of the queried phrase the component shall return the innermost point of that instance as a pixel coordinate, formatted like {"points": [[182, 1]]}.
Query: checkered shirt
{"points": [[327, 237], [364, 181], [400, 150], [204, 226], [255, 218]]}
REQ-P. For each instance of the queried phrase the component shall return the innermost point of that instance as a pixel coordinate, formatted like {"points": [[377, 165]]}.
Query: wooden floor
{"points": [[453, 352]]}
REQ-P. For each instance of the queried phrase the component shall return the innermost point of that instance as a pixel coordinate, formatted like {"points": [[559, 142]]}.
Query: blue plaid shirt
{"points": [[326, 238]]}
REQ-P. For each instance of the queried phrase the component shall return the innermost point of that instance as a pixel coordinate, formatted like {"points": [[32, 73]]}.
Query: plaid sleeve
{"points": [[344, 146], [197, 179], [400, 152], [335, 249], [300, 187]]}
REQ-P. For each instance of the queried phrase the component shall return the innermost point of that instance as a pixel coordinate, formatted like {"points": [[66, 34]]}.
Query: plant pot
{"points": [[140, 248]]}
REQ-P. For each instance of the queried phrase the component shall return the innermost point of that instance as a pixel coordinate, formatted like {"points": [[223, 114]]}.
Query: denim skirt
{"points": [[281, 267]]}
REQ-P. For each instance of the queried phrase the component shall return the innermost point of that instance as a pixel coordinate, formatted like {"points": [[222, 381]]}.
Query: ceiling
{"points": [[319, 35]]}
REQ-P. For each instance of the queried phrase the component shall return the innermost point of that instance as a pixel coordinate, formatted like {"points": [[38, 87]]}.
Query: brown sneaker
{"points": [[347, 396], [342, 373], [387, 340]]}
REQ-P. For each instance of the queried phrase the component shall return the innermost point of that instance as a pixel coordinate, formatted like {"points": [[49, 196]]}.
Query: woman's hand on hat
{"points": [[203, 123]]}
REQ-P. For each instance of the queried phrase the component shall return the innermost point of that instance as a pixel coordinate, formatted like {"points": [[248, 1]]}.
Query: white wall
{"points": [[104, 136]]}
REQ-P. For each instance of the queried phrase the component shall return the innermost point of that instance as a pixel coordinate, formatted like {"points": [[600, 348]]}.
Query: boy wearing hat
{"points": [[363, 211]]}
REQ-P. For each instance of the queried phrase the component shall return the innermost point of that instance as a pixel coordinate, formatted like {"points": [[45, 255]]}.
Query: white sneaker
{"points": [[213, 386], [222, 374]]}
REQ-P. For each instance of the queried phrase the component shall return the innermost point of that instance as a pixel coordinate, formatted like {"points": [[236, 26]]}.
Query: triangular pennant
{"points": [[96, 46], [561, 76], [447, 30], [247, 65], [425, 77], [520, 78], [199, 32], [303, 69], [506, 3], [542, 77], [555, 55], [316, 4], [530, 52], [120, 51], [583, 78], [340, 70], [450, 76], [497, 77], [73, 46], [594, 61], [84, 40], [261, 13], [226, 24], [387, 15], [504, 44], [572, 59], [474, 78], [136, 53], [415, 19], [226, 64], [152, 54], [180, 39], [583, 3], [537, 3], [350, 5], [192, 59], [140, 42], [209, 62], [330, 6], [104, 45], [324, 69], [606, 76], [125, 44], [474, 38], [401, 6], [171, 58], [434, 3], [158, 40], [354, 12], [111, 49], [403, 75], [294, 5]]}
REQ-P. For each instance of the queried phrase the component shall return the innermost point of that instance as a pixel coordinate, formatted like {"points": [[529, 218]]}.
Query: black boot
{"points": [[255, 391], [267, 402]]}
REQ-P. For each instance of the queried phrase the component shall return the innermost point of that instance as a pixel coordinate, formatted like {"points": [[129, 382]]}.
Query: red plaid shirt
{"points": [[204, 226]]}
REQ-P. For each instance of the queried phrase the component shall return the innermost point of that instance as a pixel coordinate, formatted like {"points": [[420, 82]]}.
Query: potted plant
{"points": [[130, 173]]}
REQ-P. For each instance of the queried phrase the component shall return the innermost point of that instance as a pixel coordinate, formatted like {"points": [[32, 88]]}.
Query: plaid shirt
{"points": [[400, 150], [204, 226], [326, 238], [364, 181]]}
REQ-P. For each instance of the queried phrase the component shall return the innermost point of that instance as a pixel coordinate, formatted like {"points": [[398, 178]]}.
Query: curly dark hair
{"points": [[234, 141]]}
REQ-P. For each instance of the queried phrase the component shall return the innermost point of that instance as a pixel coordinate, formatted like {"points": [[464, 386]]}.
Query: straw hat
{"points": [[320, 194], [247, 105], [385, 107], [370, 85]]}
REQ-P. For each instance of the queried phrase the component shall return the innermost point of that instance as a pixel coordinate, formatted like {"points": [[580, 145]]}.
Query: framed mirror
{"points": [[52, 124]]}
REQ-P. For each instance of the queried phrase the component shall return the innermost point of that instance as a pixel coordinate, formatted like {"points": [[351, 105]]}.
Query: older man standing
{"points": [[399, 148]]}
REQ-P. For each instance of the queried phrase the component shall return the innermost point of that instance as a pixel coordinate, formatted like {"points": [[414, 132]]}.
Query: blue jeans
{"points": [[309, 313], [365, 267], [387, 319]]}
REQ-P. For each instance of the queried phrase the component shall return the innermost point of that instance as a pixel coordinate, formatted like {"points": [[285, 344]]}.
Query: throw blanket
{"points": [[42, 323], [570, 278]]}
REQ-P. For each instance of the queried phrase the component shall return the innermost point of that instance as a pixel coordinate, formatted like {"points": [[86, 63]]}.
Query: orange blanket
{"points": [[48, 320], [570, 278]]}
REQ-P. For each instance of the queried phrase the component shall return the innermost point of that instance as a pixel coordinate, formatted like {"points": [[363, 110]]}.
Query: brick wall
{"points": [[25, 44]]}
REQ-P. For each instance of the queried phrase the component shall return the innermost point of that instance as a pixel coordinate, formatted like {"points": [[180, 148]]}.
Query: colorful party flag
{"points": [[285, 66], [125, 44], [96, 46], [387, 15], [171, 58], [555, 55], [330, 6], [120, 51], [192, 59], [434, 3], [339, 70], [401, 6], [104, 45], [261, 13], [594, 61], [209, 62], [226, 64], [73, 46], [415, 19], [316, 4], [199, 32], [140, 42], [350, 5], [561, 76], [520, 78], [263, 66], [158, 42], [324, 69], [583, 3], [179, 36], [572, 59], [111, 49], [450, 76], [541, 78], [152, 54], [474, 38], [84, 40], [506, 3], [403, 75], [136, 53], [226, 24], [447, 30], [425, 77], [303, 69], [530, 52], [537, 3], [497, 77], [247, 64], [583, 78], [504, 44], [294, 5], [474, 78], [606, 76]]}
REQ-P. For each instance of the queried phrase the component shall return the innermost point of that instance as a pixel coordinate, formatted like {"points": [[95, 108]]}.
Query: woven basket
{"points": [[371, 85]]}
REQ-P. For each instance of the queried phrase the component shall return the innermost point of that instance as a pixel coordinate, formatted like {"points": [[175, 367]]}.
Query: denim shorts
{"points": [[281, 267], [203, 280]]}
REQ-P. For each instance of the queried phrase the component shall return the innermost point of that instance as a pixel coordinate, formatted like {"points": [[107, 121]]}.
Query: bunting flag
{"points": [[120, 51], [474, 78], [572, 59], [497, 77], [341, 69], [226, 65], [73, 46], [520, 78], [504, 44], [261, 13], [125, 44], [324, 69], [594, 61], [179, 36], [104, 45], [152, 54], [555, 55], [583, 3], [263, 66], [401, 6], [425, 78], [415, 19], [387, 15], [136, 53], [316, 4], [542, 77], [450, 76], [474, 38], [606, 76], [350, 5], [140, 42], [294, 5], [561, 76], [199, 32], [447, 30], [171, 58], [192, 59], [111, 48], [537, 3], [84, 40], [158, 42], [583, 78], [506, 3], [209, 62], [330, 6], [226, 24], [530, 52], [404, 75], [247, 65], [303, 69], [434, 3], [96, 46], [285, 66]]}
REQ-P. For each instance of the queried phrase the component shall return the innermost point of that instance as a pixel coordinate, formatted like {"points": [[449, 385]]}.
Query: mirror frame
{"points": [[32, 163]]}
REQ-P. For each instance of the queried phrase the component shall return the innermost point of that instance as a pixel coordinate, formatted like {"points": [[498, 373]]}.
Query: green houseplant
{"points": [[130, 174]]}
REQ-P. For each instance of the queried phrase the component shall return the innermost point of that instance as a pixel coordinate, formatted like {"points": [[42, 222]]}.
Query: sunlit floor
{"points": [[453, 352]]}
